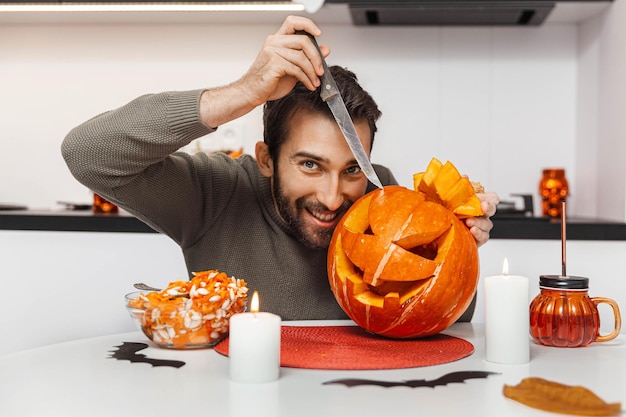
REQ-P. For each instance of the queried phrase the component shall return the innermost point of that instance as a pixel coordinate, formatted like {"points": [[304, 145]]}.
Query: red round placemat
{"points": [[352, 348]]}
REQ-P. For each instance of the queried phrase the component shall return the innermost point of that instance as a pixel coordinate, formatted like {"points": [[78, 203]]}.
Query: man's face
{"points": [[316, 178]]}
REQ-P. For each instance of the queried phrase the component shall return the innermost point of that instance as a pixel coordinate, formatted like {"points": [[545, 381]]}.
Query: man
{"points": [[267, 220]]}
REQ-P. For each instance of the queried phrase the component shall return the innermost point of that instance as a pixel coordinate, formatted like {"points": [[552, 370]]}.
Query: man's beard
{"points": [[311, 236]]}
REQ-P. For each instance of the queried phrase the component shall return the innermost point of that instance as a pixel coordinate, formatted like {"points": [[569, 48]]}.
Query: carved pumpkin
{"points": [[401, 264]]}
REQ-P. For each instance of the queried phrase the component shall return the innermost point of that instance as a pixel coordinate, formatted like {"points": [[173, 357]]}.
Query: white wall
{"points": [[611, 132], [501, 103]]}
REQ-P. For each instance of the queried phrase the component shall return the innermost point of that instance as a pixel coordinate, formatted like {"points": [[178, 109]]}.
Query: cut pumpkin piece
{"points": [[443, 184], [445, 179], [424, 226], [404, 202], [427, 183], [417, 178], [471, 208], [413, 224], [380, 259], [459, 193]]}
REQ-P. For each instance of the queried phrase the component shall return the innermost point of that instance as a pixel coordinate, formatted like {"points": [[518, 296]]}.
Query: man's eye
{"points": [[353, 170], [309, 164]]}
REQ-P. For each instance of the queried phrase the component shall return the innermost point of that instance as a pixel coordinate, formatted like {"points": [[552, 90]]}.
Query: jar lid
{"points": [[567, 282]]}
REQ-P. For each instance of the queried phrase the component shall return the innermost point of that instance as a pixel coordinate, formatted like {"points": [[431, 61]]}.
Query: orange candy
{"points": [[192, 313]]}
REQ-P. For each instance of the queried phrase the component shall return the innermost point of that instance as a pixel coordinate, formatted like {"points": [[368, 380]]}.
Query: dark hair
{"points": [[277, 114]]}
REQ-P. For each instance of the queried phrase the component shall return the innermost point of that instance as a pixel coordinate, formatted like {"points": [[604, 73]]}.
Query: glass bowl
{"points": [[189, 314]]}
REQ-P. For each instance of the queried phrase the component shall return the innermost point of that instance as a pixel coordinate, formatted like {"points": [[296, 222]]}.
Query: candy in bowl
{"points": [[189, 314]]}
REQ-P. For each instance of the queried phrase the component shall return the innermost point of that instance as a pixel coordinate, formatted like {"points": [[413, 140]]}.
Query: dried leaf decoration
{"points": [[559, 398]]}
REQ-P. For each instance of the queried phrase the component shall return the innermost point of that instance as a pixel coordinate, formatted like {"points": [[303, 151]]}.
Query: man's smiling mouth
{"points": [[323, 217]]}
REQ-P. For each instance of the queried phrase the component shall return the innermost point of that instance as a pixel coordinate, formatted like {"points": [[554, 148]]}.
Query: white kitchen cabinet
{"points": [[69, 285]]}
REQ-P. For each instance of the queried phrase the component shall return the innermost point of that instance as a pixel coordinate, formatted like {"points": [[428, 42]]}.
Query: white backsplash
{"points": [[500, 103]]}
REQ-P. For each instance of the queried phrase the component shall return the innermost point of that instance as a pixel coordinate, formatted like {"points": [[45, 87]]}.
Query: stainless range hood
{"points": [[452, 12], [530, 13]]}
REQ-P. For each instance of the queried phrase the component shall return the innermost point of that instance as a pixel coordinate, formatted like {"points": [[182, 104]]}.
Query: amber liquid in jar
{"points": [[563, 318], [553, 189], [102, 205], [563, 314]]}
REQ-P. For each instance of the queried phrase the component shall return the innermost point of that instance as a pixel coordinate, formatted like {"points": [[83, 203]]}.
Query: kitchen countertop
{"points": [[71, 221], [513, 227], [547, 228]]}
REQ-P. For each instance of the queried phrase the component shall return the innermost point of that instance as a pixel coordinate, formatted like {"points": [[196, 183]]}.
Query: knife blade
{"points": [[329, 92]]}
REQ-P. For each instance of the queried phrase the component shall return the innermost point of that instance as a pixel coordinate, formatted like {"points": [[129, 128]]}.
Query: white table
{"points": [[77, 379]]}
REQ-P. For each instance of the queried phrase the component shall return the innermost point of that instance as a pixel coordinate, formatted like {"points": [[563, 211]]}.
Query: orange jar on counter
{"points": [[553, 189], [102, 205]]}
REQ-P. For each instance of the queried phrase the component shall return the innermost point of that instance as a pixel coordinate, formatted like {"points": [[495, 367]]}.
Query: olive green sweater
{"points": [[219, 210]]}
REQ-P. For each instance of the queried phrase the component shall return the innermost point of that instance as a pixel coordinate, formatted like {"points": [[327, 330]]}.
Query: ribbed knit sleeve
{"points": [[110, 149], [128, 156]]}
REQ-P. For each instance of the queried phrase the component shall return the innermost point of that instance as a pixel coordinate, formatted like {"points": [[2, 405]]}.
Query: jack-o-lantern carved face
{"points": [[401, 263]]}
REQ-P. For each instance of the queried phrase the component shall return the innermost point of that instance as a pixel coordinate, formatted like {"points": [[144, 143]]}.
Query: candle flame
{"points": [[505, 267], [254, 304]]}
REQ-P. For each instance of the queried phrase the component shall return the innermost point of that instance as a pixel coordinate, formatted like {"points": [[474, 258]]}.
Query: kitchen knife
{"points": [[329, 92]]}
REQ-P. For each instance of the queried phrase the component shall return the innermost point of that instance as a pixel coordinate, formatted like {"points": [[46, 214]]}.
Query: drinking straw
{"points": [[563, 238]]}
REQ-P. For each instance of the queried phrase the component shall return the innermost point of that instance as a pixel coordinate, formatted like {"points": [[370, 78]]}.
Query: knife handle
{"points": [[328, 87]]}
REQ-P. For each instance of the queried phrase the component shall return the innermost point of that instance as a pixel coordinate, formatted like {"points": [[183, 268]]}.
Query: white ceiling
{"points": [[567, 12]]}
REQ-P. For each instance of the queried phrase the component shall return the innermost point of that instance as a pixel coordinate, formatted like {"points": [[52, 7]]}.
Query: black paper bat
{"points": [[127, 351], [414, 383]]}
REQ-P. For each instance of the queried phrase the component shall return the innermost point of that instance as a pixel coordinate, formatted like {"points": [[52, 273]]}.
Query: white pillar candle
{"points": [[254, 345], [507, 320]]}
